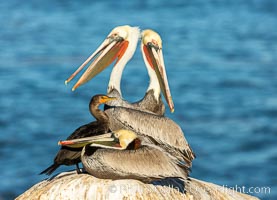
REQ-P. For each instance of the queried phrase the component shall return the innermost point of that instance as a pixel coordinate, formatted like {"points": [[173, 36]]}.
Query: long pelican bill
{"points": [[119, 139], [154, 56], [111, 49], [104, 139]]}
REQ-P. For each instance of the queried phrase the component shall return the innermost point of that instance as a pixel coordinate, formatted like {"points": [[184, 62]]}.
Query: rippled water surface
{"points": [[221, 62]]}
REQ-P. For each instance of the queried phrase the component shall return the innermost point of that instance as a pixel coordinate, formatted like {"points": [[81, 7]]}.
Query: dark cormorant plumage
{"points": [[72, 156]]}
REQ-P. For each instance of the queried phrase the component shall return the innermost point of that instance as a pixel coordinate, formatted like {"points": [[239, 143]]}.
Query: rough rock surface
{"points": [[70, 185]]}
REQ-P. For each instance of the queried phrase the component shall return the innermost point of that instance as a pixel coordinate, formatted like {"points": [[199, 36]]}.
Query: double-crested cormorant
{"points": [[72, 156]]}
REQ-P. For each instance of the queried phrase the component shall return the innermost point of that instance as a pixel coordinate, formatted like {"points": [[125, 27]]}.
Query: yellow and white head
{"points": [[119, 139], [118, 46], [152, 37], [125, 137]]}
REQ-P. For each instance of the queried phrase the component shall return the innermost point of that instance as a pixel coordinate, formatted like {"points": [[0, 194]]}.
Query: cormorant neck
{"points": [[97, 113]]}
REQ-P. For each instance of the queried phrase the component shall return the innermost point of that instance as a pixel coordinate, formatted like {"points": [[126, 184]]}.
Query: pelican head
{"points": [[119, 45], [151, 47], [119, 139], [125, 137]]}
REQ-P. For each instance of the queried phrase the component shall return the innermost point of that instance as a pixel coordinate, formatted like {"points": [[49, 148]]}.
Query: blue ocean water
{"points": [[221, 64]]}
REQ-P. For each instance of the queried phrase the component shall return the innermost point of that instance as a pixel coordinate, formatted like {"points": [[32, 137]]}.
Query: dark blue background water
{"points": [[221, 60]]}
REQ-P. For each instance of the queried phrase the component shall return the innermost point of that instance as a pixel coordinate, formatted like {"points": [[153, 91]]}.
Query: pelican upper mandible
{"points": [[120, 45]]}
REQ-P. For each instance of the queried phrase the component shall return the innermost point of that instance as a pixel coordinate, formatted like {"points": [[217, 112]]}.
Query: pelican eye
{"points": [[115, 37], [116, 135], [153, 45]]}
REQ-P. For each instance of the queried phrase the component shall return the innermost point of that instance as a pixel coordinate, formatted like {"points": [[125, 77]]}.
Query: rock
{"points": [[69, 185]]}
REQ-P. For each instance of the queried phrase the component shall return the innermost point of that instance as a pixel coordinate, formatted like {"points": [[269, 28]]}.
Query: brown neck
{"points": [[136, 144], [97, 113]]}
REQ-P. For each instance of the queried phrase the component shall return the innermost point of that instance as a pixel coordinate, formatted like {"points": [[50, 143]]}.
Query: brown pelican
{"points": [[126, 157], [121, 44], [156, 130], [72, 156]]}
